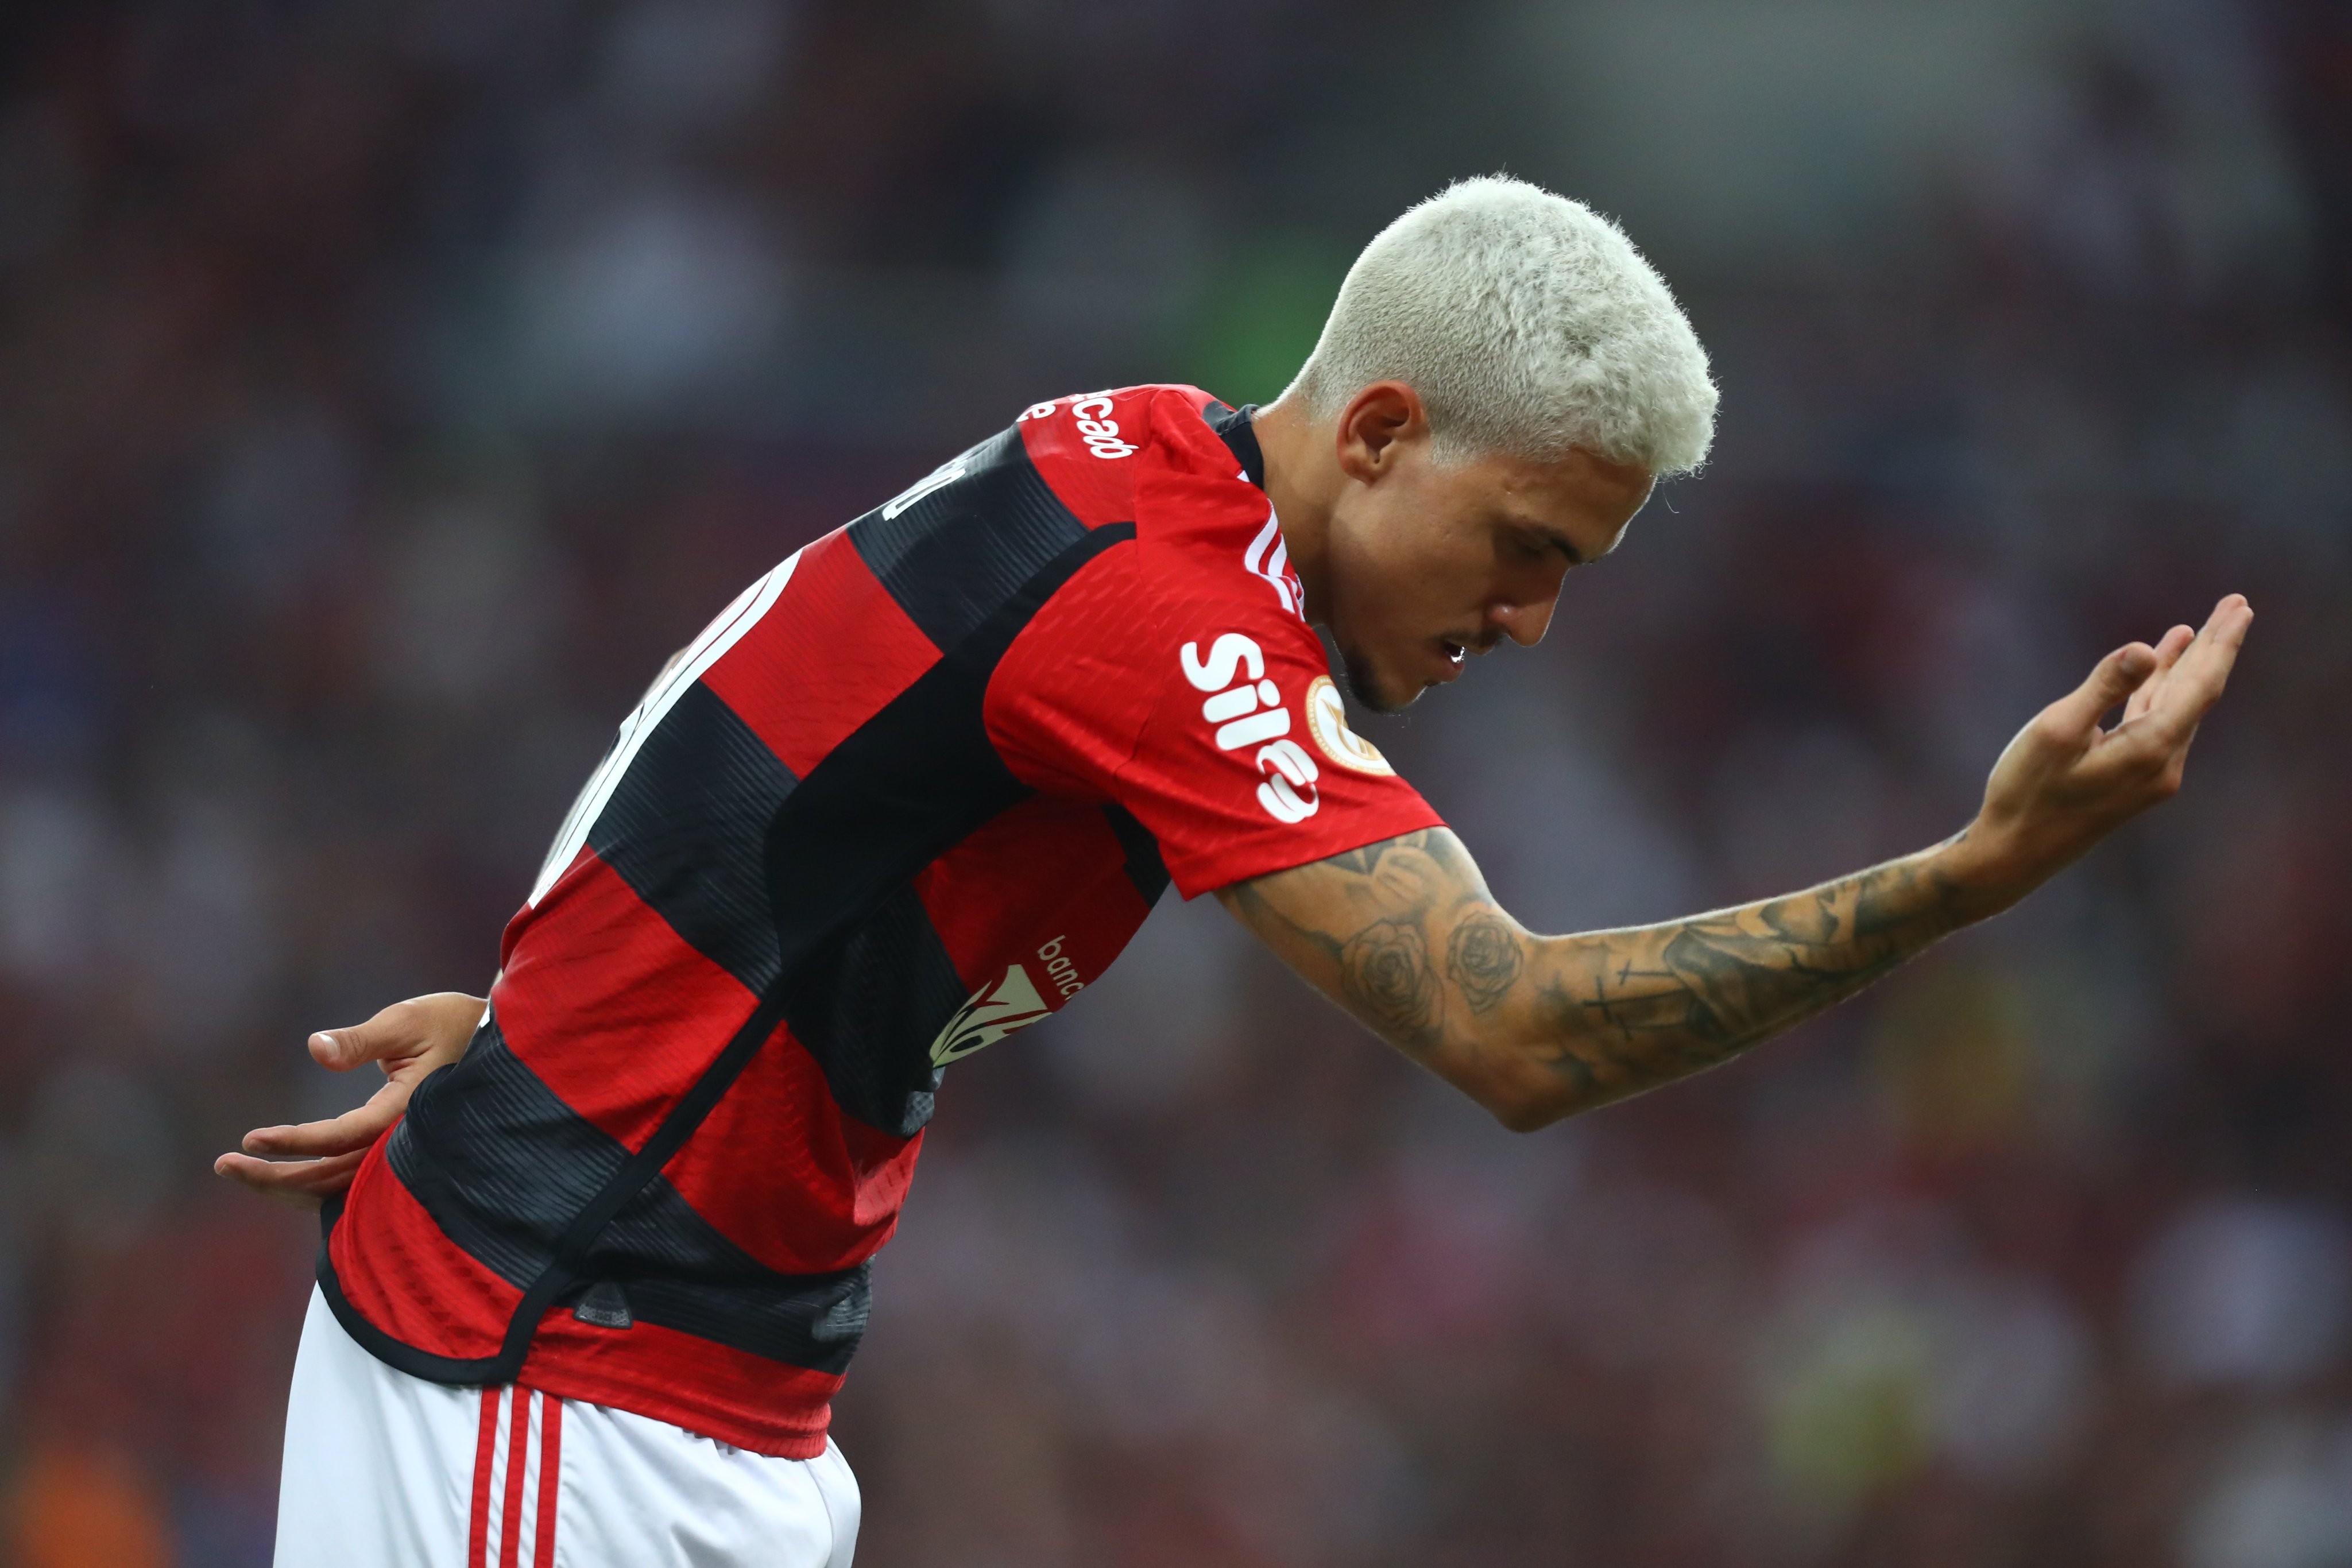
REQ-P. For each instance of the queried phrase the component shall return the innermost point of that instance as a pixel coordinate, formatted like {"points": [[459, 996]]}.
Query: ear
{"points": [[1376, 428]]}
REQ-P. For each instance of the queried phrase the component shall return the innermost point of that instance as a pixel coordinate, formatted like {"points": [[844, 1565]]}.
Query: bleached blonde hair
{"points": [[1527, 323]]}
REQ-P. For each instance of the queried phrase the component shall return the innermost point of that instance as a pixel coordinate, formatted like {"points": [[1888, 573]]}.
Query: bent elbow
{"points": [[1518, 1118], [1521, 1109], [1517, 1087]]}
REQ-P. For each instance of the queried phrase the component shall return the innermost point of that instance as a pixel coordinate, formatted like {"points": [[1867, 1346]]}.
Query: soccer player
{"points": [[588, 1299]]}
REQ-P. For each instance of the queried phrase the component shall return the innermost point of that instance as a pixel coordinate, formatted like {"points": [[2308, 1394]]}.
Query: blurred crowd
{"points": [[386, 388]]}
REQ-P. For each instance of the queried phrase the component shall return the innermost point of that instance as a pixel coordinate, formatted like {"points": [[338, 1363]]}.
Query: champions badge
{"points": [[1326, 716]]}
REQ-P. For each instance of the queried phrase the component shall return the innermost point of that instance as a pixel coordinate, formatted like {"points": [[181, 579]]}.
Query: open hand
{"points": [[309, 1163], [2064, 782]]}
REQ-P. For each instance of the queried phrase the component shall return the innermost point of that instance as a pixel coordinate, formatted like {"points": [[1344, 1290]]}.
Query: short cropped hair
{"points": [[1528, 324]]}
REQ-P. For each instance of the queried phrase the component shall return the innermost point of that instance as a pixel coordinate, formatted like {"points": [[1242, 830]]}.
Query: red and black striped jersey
{"points": [[914, 790]]}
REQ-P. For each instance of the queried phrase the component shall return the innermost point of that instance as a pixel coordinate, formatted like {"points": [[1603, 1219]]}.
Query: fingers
{"points": [[350, 1133], [2195, 681], [2115, 678], [307, 1163], [306, 1183], [2168, 650]]}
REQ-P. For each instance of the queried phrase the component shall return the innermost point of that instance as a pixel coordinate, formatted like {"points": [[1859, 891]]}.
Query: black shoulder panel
{"points": [[966, 545]]}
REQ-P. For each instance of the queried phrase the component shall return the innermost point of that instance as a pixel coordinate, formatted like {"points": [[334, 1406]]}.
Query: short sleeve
{"points": [[1206, 710]]}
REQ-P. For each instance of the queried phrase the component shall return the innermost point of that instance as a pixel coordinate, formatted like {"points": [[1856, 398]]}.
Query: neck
{"points": [[1301, 475]]}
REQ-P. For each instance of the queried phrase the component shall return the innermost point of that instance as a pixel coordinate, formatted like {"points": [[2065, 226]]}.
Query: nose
{"points": [[1523, 624]]}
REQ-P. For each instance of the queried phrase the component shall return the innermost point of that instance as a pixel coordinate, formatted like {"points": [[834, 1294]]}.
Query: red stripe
{"points": [[986, 895], [1099, 490], [786, 678], [518, 1446], [551, 1459], [400, 1273], [845, 1181], [485, 1448], [609, 1006]]}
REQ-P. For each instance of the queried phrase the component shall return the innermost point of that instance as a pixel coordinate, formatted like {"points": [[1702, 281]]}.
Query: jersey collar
{"points": [[1233, 426]]}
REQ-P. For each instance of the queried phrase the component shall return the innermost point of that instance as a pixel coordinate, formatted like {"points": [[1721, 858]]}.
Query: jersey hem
{"points": [[398, 1354], [789, 1443], [783, 1442]]}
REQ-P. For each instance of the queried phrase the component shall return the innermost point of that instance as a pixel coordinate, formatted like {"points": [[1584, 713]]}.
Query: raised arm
{"points": [[1405, 935]]}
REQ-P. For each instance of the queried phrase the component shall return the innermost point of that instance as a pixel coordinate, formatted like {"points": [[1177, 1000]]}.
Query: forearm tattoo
{"points": [[1406, 935]]}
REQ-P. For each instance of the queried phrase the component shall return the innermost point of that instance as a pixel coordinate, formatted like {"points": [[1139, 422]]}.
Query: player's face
{"points": [[1435, 561]]}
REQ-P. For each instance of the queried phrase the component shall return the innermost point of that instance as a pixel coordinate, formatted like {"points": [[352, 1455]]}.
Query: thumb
{"points": [[354, 1045], [2115, 678]]}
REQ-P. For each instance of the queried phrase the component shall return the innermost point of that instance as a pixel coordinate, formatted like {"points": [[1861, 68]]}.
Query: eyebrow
{"points": [[1561, 542]]}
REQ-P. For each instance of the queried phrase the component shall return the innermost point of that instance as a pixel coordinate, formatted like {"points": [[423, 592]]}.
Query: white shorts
{"points": [[385, 1471]]}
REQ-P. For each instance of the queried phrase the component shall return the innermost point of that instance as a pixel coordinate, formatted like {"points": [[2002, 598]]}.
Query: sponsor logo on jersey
{"points": [[993, 1012], [1248, 711], [1097, 429], [1060, 973], [1327, 721]]}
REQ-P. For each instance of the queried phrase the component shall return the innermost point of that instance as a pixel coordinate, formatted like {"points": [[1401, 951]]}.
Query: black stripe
{"points": [[684, 829], [501, 1164], [1144, 866], [497, 1159], [955, 557], [875, 1002], [819, 1330], [673, 1280], [893, 796]]}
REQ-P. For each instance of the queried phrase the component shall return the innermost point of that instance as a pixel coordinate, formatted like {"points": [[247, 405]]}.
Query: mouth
{"points": [[1455, 654]]}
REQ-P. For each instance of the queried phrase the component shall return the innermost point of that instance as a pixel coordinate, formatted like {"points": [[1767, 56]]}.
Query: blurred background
{"points": [[386, 388]]}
